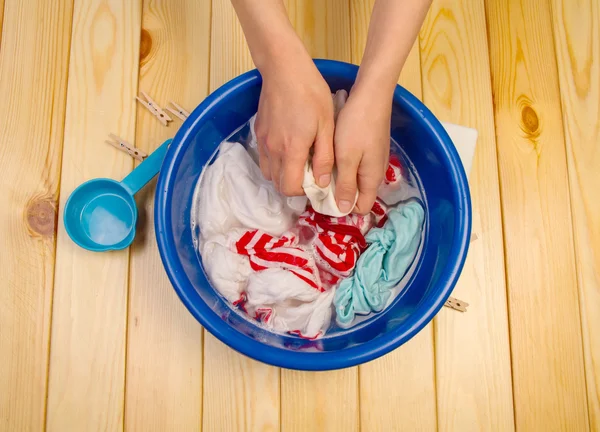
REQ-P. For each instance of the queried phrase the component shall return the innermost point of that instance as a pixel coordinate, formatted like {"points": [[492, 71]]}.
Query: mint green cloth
{"points": [[391, 251]]}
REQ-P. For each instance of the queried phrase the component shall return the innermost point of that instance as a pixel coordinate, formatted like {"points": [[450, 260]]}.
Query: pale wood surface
{"points": [[164, 343], [322, 401], [547, 353], [473, 373], [411, 405], [87, 356], [240, 394], [577, 42], [33, 85], [1, 19], [101, 342]]}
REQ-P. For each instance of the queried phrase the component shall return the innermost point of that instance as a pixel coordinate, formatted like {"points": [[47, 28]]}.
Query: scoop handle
{"points": [[146, 171]]}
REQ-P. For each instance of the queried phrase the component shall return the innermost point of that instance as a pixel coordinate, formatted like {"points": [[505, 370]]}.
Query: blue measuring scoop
{"points": [[101, 214]]}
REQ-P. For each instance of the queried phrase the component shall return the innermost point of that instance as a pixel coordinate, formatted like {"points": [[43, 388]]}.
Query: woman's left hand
{"points": [[362, 146]]}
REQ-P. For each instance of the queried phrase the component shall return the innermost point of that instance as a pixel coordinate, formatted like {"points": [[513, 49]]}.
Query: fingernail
{"points": [[345, 206], [324, 180]]}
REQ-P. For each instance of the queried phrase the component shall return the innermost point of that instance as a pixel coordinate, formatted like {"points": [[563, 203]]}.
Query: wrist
{"points": [[375, 86], [281, 52]]}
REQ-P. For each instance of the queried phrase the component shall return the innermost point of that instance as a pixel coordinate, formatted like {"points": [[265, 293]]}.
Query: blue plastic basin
{"points": [[446, 241]]}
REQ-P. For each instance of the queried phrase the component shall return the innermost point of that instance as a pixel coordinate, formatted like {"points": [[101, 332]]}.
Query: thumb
{"points": [[323, 158], [345, 185]]}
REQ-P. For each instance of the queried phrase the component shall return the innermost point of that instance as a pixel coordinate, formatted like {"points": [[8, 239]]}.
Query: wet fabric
{"points": [[380, 268], [249, 252]]}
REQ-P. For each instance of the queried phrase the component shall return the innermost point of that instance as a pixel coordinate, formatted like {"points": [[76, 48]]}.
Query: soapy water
{"points": [[411, 190]]}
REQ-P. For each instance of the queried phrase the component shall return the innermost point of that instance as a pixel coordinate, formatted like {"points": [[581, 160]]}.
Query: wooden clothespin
{"points": [[154, 108], [178, 111], [456, 304], [123, 145]]}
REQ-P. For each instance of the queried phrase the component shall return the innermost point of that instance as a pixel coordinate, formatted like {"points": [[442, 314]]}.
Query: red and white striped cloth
{"points": [[285, 291], [321, 252], [337, 242], [266, 251]]}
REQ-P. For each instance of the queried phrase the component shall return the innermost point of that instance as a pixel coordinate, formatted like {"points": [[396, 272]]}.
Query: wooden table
{"points": [[101, 342]]}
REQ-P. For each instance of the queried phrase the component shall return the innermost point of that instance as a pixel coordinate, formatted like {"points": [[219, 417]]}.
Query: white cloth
{"points": [[233, 193], [285, 303], [233, 199], [227, 271], [322, 199]]}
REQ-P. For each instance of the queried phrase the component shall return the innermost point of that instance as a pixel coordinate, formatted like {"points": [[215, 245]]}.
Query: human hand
{"points": [[362, 147], [295, 111]]}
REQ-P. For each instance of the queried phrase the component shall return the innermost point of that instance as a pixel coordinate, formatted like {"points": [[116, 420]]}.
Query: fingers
{"points": [[367, 194], [323, 157], [275, 166], [285, 170], [292, 173], [370, 176], [345, 186], [263, 161], [263, 152]]}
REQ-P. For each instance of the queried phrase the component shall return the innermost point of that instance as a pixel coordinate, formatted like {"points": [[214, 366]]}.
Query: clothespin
{"points": [[123, 145], [154, 108], [456, 304], [178, 111]]}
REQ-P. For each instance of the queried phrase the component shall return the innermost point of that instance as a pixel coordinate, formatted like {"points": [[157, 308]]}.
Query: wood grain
{"points": [[577, 42], [473, 371], [328, 400], [546, 341], [239, 393], [397, 392], [320, 401], [323, 26], [33, 85], [229, 53], [164, 342], [1, 19], [87, 361], [552, 274]]}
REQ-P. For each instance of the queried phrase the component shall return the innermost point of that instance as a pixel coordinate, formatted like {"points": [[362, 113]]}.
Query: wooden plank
{"points": [[87, 361], [546, 341], [320, 401], [473, 372], [33, 84], [239, 393], [397, 392], [577, 42], [164, 341], [323, 26], [325, 400], [229, 53], [1, 19]]}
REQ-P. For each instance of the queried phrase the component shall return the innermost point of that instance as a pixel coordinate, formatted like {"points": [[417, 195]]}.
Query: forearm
{"points": [[393, 29], [269, 33]]}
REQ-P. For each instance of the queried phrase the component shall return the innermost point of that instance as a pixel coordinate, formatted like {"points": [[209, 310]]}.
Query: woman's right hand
{"points": [[295, 112]]}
